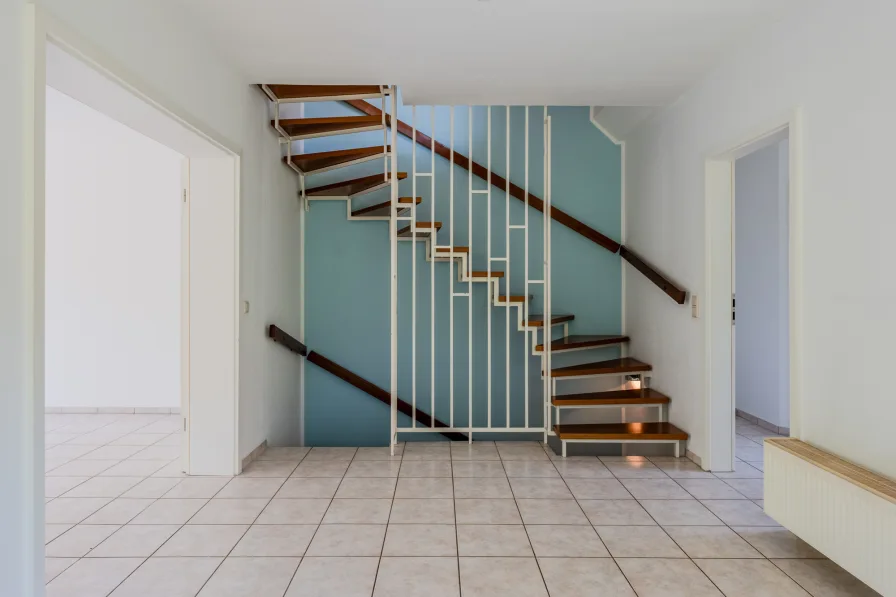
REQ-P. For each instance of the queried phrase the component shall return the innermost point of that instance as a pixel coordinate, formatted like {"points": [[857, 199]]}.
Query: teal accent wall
{"points": [[347, 271]]}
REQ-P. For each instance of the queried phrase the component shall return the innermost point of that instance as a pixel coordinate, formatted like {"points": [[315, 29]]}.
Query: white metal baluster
{"points": [[547, 269], [432, 271], [393, 294], [526, 273], [468, 274], [545, 365], [450, 269], [507, 272], [414, 267], [385, 133], [488, 199]]}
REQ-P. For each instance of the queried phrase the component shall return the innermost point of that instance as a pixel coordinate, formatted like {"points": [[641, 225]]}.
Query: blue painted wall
{"points": [[347, 276]]}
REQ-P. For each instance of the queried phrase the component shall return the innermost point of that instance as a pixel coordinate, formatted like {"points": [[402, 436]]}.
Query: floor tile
{"points": [[321, 468], [583, 469], [709, 489], [566, 541], [151, 488], [417, 511], [376, 468], [551, 512], [273, 540], [635, 470], [348, 540], [308, 487], [269, 468], [103, 487], [638, 542], [51, 531], [535, 488], [117, 453], [382, 453], [294, 511], [483, 451], [119, 511], [777, 542], [530, 468], [202, 540], [413, 577], [80, 468], [167, 577], [742, 470], [332, 576], [616, 512], [501, 577], [582, 577], [711, 542], [493, 540], [750, 578], [285, 453], [134, 468], [197, 487], [53, 567], [169, 512], [652, 577], [326, 453], [824, 578], [423, 540], [413, 487], [229, 511], [172, 469], [251, 577], [487, 511], [535, 452], [423, 468], [56, 486], [79, 541], [72, 510], [478, 468], [680, 512], [751, 488], [739, 513], [92, 577], [482, 487], [683, 470], [656, 489], [749, 454], [68, 451], [366, 487], [415, 451], [249, 487], [135, 541], [598, 489], [358, 511], [138, 439]]}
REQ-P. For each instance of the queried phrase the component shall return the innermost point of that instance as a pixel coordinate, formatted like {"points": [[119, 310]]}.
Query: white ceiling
{"points": [[573, 52]]}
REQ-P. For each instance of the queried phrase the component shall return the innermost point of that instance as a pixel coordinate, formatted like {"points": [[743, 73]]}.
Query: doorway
{"points": [[753, 281]]}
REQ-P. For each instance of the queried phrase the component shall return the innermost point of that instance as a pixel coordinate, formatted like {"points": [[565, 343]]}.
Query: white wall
{"points": [[154, 47], [833, 63], [761, 347], [113, 203]]}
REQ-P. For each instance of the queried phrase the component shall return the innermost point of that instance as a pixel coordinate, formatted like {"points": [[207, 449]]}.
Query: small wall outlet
{"points": [[245, 306], [695, 306]]}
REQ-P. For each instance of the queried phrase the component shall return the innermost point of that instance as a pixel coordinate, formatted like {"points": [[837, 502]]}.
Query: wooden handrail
{"points": [[281, 337], [482, 172], [678, 295]]}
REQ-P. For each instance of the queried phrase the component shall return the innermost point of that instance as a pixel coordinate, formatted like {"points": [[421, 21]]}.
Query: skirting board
{"points": [[253, 455], [111, 410], [762, 422]]}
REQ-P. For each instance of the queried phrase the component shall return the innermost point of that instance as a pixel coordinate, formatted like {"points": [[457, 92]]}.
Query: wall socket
{"points": [[695, 306]]}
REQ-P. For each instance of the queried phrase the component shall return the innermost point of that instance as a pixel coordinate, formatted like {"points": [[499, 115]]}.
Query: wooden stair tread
{"points": [[621, 397], [583, 341], [623, 365], [423, 229], [382, 209], [312, 162], [456, 249], [356, 186], [485, 274], [620, 431], [536, 320], [324, 92], [332, 125], [513, 299]]}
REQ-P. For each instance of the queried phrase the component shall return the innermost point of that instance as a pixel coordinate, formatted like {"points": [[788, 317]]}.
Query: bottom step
{"points": [[647, 432]]}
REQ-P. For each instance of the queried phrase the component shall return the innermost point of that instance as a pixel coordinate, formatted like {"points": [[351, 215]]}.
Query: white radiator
{"points": [[845, 512]]}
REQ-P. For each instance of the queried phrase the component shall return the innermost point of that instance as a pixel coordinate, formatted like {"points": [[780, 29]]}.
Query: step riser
{"points": [[346, 197]]}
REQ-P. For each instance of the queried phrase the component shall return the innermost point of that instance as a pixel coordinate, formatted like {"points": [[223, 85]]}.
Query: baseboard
{"points": [[111, 410], [693, 457], [253, 455], [762, 422]]}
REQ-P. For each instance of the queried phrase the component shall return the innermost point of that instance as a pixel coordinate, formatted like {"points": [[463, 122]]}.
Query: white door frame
{"points": [[719, 230]]}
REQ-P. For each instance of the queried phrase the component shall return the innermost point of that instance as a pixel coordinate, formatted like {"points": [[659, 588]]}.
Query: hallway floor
{"points": [[493, 520]]}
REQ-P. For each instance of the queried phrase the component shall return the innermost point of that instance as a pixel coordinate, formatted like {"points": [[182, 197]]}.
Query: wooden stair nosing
{"points": [[577, 342], [612, 397], [382, 209], [313, 163], [536, 320], [323, 93], [513, 299], [610, 367], [423, 228], [355, 186], [621, 431], [485, 274], [456, 249], [308, 128]]}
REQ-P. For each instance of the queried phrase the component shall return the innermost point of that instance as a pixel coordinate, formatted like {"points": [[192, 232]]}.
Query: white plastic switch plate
{"points": [[695, 306]]}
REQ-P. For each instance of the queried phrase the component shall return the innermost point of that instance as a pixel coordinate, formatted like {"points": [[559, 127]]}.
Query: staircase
{"points": [[459, 257]]}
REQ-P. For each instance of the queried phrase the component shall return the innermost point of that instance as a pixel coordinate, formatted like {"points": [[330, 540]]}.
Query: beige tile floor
{"points": [[490, 520]]}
